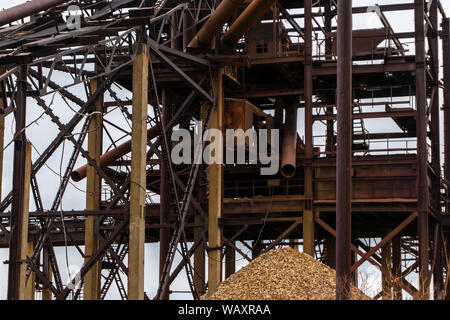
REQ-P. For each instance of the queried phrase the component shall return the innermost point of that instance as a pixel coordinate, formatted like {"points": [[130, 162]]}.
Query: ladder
{"points": [[362, 144], [181, 209], [178, 237], [114, 273]]}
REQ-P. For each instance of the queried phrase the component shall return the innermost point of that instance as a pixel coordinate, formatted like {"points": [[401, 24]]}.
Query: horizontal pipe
{"points": [[27, 9], [215, 23], [254, 12], [111, 156], [289, 142]]}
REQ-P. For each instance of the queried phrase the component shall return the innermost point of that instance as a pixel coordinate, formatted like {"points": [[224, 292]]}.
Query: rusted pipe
{"points": [[111, 156], [215, 23], [254, 12], [27, 9], [289, 144]]}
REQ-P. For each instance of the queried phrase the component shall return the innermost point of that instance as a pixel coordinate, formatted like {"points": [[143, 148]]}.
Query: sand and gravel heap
{"points": [[282, 274]]}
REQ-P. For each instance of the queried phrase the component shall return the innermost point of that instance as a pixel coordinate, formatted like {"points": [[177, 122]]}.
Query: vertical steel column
{"points": [[92, 280], [47, 271], [257, 247], [199, 257], [174, 40], [138, 174], [2, 129], [215, 177], [293, 243], [344, 151], [330, 260], [275, 15], [308, 216], [30, 285], [433, 40], [17, 207], [386, 271], [164, 199], [422, 154], [279, 112], [330, 142], [188, 29], [446, 108], [199, 254], [24, 290], [230, 261], [354, 279], [397, 267], [164, 194]]}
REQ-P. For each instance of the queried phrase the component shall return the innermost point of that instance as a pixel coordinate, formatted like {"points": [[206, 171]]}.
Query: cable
{"points": [[61, 212], [56, 173]]}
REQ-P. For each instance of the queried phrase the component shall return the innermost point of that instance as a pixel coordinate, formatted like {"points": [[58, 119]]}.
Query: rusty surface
{"points": [[27, 9], [344, 154], [362, 194], [251, 15], [215, 23], [289, 140], [111, 156]]}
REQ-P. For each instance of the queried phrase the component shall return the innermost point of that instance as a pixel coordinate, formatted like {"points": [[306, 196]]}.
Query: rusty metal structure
{"points": [[134, 71]]}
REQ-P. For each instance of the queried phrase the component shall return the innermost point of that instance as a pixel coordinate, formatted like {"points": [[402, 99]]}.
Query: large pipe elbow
{"points": [[289, 142], [111, 156], [254, 12], [215, 23]]}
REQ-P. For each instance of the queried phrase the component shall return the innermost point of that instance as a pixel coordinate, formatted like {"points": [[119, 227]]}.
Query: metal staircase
{"points": [[361, 144], [181, 207]]}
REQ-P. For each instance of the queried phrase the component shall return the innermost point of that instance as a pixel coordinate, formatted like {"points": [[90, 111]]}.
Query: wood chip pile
{"points": [[282, 274]]}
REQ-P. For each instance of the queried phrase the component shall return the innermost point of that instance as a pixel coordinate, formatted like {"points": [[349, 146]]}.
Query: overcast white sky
{"points": [[40, 137]]}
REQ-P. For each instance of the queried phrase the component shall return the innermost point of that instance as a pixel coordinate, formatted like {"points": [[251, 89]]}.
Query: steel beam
{"points": [[47, 272], [30, 284], [397, 267], [446, 106], [15, 291], [230, 261], [215, 182], [422, 150], [433, 44], [386, 271], [446, 115], [344, 151], [330, 259], [188, 29], [200, 236], [26, 288], [199, 256], [3, 106], [164, 197], [92, 280], [308, 216], [138, 174], [330, 142]]}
